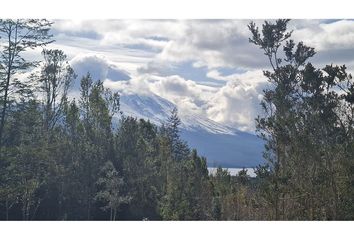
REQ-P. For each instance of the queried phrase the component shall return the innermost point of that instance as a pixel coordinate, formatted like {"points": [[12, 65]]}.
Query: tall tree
{"points": [[98, 106], [54, 81], [303, 110], [17, 36]]}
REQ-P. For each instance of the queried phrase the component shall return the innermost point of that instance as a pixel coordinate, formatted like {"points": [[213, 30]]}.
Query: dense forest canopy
{"points": [[63, 159]]}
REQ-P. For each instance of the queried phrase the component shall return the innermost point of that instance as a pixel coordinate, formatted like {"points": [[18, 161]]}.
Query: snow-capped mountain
{"points": [[157, 110], [222, 145], [149, 107]]}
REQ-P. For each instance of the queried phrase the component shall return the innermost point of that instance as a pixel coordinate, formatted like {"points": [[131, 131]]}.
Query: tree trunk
{"points": [[114, 214], [4, 106], [11, 56], [7, 209]]}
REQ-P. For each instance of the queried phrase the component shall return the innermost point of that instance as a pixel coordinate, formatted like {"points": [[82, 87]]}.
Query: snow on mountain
{"points": [[158, 109], [222, 145], [193, 122], [152, 107]]}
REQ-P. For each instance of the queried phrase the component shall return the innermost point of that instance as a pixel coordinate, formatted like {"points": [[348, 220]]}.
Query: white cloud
{"points": [[211, 43], [186, 94], [99, 68], [235, 104], [336, 35], [151, 33]]}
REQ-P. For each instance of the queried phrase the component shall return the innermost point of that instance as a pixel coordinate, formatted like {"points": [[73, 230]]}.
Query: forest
{"points": [[65, 158]]}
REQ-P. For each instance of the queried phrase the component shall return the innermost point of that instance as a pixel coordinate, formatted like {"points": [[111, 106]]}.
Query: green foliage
{"points": [[187, 191], [307, 117], [54, 81], [64, 159], [111, 189], [17, 36]]}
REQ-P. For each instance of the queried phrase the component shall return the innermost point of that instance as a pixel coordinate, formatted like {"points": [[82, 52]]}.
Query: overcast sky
{"points": [[206, 67]]}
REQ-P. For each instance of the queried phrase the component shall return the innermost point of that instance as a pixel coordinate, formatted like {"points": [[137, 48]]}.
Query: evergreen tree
{"points": [[65, 159], [26, 161]]}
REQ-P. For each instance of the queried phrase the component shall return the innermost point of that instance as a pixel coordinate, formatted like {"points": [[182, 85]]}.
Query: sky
{"points": [[205, 67]]}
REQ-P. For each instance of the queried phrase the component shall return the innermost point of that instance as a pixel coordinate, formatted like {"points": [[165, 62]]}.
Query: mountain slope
{"points": [[226, 150], [222, 145], [152, 107]]}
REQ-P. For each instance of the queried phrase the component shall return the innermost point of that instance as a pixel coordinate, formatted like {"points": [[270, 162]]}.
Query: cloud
{"points": [[324, 36], [175, 59], [235, 104], [156, 67], [150, 33], [214, 43], [333, 41], [211, 43], [189, 96], [99, 67]]}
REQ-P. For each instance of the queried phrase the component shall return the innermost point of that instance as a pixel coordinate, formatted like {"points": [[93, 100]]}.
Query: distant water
{"points": [[233, 171]]}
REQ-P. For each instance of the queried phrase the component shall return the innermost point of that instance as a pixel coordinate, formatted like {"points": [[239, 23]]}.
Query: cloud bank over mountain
{"points": [[205, 67]]}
